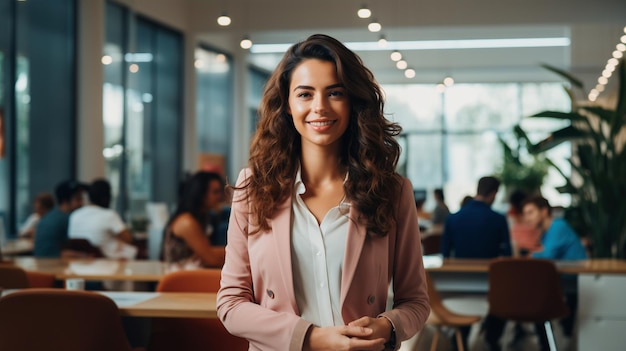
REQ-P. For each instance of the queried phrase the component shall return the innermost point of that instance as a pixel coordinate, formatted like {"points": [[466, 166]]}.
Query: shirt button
{"points": [[318, 253], [321, 285], [371, 299], [270, 293]]}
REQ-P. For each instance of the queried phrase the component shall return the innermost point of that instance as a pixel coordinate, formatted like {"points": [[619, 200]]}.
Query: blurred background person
{"points": [[477, 231], [100, 225], [440, 213], [524, 236], [42, 204], [187, 240], [52, 227]]}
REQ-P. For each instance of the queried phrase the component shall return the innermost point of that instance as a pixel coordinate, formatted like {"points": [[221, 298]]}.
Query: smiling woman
{"points": [[321, 199]]}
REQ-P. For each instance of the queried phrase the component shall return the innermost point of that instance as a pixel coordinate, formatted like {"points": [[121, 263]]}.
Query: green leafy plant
{"points": [[598, 163], [519, 172]]}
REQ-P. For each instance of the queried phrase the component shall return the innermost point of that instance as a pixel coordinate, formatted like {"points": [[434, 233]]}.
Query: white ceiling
{"points": [[594, 28]]}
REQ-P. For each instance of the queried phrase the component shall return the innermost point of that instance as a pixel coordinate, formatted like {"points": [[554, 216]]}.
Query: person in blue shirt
{"points": [[477, 231], [51, 232], [558, 239], [558, 242]]}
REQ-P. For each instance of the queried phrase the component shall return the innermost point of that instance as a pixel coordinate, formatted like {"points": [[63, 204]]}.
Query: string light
{"points": [[223, 20], [364, 12], [245, 43]]}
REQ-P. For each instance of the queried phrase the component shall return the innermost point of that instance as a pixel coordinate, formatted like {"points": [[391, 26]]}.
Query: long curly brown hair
{"points": [[369, 149]]}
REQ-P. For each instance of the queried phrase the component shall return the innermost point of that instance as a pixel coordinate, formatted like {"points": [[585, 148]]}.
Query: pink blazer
{"points": [[257, 302]]}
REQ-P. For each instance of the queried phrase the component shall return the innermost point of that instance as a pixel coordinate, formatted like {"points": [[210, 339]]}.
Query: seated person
{"points": [[42, 204], [187, 240], [100, 225], [558, 239], [440, 213], [524, 236], [52, 228]]}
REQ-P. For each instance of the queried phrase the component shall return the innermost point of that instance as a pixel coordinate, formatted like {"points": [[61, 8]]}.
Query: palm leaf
{"points": [[573, 80], [568, 133]]}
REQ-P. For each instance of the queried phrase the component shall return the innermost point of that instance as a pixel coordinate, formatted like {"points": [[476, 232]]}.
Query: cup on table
{"points": [[75, 284]]}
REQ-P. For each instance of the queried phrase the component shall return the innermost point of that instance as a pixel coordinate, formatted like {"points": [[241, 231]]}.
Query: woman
{"points": [[320, 222], [187, 244]]}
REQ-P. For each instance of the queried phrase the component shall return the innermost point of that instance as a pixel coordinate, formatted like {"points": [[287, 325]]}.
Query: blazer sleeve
{"points": [[238, 308], [411, 306]]}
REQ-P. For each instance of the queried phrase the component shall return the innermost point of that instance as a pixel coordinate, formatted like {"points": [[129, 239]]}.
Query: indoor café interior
{"points": [[155, 157]]}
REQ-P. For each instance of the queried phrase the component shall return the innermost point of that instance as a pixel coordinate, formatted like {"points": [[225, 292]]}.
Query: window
{"points": [[37, 98], [142, 112], [450, 139], [214, 101]]}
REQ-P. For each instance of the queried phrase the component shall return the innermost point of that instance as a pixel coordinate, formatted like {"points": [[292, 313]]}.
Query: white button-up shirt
{"points": [[317, 253]]}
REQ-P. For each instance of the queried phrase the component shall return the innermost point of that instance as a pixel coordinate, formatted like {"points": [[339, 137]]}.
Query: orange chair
{"points": [[13, 277], [187, 334], [58, 319], [526, 290], [441, 316]]}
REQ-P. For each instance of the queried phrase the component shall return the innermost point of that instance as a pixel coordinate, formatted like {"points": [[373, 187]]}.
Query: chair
{"points": [[13, 277], [431, 244], [441, 316], [58, 319], [526, 290], [186, 334]]}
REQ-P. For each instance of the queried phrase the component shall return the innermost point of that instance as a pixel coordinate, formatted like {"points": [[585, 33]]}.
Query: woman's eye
{"points": [[336, 93], [303, 94]]}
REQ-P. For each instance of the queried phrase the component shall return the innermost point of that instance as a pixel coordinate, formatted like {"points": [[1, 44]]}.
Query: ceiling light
{"points": [[621, 47], [436, 44], [382, 42], [409, 73], [623, 39], [448, 81], [245, 43], [396, 56], [441, 88], [600, 88], [617, 54], [107, 59], [606, 73], [374, 26], [613, 61], [364, 12], [223, 20], [603, 80], [402, 64]]}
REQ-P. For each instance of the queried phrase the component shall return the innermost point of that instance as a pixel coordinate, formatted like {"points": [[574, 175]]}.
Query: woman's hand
{"points": [[342, 338], [381, 327]]}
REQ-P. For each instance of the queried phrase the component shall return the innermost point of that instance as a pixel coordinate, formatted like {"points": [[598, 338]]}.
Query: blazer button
{"points": [[371, 299], [270, 293]]}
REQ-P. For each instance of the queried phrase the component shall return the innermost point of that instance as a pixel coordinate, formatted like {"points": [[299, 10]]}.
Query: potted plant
{"points": [[598, 162], [521, 171]]}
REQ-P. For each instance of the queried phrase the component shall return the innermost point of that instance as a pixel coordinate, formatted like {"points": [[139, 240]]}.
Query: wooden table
{"points": [[95, 269], [164, 304], [591, 266], [599, 283], [160, 304], [21, 246]]}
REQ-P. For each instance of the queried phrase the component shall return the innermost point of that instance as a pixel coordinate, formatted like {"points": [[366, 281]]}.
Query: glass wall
{"points": [[142, 110], [450, 138], [214, 108], [37, 100]]}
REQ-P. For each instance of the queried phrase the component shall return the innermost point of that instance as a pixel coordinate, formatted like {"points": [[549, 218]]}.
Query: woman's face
{"points": [[318, 104], [214, 195]]}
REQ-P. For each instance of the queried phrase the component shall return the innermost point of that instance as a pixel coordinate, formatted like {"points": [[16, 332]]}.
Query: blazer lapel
{"points": [[281, 232], [354, 246]]}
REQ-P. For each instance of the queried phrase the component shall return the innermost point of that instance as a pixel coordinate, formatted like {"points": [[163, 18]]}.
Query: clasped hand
{"points": [[363, 334]]}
